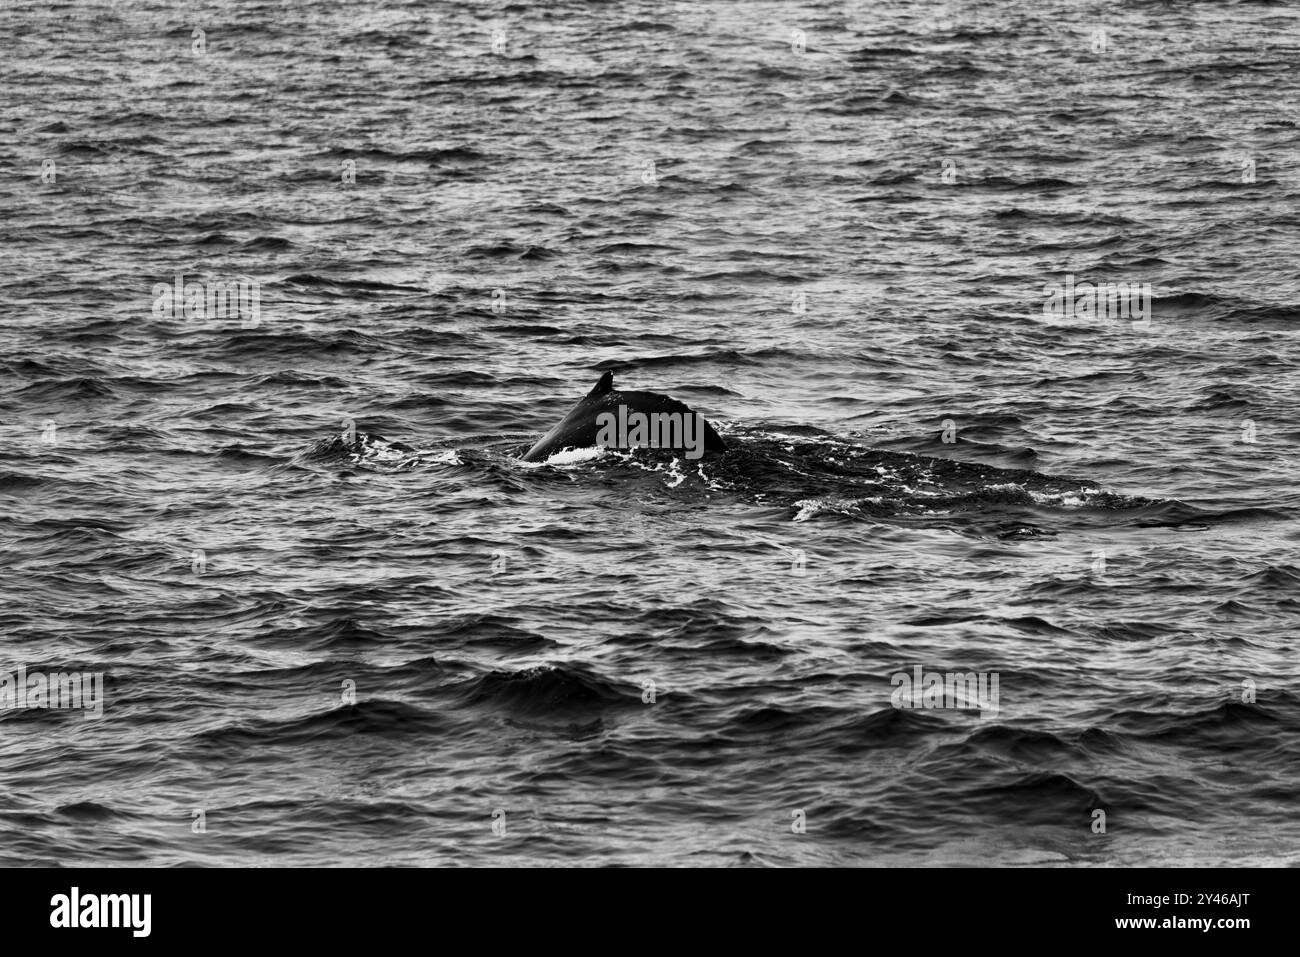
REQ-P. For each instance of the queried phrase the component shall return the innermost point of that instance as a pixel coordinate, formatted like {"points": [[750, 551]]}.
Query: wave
{"points": [[367, 717], [550, 691]]}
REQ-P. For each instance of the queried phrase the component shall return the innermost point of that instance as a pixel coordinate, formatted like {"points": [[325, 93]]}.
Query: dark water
{"points": [[793, 264]]}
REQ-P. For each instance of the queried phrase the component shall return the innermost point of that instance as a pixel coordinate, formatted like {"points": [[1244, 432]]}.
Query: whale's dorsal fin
{"points": [[583, 426]]}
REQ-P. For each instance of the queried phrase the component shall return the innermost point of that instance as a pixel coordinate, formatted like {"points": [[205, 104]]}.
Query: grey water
{"points": [[339, 622]]}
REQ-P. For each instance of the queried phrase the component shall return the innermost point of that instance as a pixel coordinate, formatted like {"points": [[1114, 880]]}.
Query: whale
{"points": [[609, 418]]}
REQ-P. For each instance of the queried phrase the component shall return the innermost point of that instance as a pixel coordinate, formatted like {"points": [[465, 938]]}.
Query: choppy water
{"points": [[755, 221]]}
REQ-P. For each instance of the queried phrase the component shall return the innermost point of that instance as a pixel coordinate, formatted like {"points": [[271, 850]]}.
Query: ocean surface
{"points": [[339, 622]]}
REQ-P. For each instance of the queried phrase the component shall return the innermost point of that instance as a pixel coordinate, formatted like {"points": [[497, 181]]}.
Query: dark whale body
{"points": [[579, 428]]}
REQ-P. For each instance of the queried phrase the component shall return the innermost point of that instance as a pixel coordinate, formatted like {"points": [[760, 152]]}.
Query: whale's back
{"points": [[580, 427]]}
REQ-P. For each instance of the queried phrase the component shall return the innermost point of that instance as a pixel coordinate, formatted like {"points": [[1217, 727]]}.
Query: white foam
{"points": [[679, 476], [573, 456], [808, 507], [445, 457]]}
